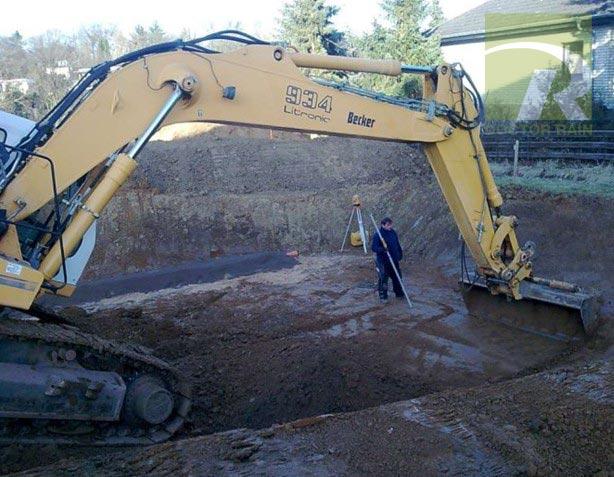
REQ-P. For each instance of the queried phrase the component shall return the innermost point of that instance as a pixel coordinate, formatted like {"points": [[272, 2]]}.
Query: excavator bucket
{"points": [[554, 309]]}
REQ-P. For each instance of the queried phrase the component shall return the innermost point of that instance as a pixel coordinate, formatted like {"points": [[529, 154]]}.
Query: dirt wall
{"points": [[196, 196], [210, 194]]}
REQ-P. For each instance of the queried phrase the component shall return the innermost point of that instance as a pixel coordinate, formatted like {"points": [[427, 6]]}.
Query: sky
{"points": [[259, 17]]}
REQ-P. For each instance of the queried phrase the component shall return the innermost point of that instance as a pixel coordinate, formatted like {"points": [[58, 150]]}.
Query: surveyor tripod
{"points": [[361, 228]]}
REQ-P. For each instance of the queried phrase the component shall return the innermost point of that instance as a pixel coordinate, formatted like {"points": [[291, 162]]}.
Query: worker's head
{"points": [[386, 223]]}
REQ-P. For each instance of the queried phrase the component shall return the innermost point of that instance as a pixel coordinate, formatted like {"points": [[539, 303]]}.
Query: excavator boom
{"points": [[57, 180]]}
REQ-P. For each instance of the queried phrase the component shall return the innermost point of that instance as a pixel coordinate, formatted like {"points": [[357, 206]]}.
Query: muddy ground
{"points": [[549, 423], [426, 391], [277, 346]]}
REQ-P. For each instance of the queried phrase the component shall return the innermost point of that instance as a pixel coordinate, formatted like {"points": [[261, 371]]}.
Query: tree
{"points": [[142, 37], [51, 62], [16, 102], [405, 39], [410, 19], [186, 34], [156, 34], [94, 44], [12, 52], [307, 25], [51, 58]]}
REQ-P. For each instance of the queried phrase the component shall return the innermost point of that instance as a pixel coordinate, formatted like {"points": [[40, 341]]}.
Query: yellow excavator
{"points": [[62, 386]]}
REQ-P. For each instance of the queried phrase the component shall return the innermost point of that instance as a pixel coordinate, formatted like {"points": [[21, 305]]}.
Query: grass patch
{"points": [[558, 177]]}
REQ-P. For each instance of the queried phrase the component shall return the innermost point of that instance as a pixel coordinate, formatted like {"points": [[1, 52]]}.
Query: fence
{"points": [[598, 146]]}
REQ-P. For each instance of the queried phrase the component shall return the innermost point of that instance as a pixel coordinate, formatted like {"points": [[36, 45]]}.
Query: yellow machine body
{"points": [[58, 179], [262, 85], [19, 283]]}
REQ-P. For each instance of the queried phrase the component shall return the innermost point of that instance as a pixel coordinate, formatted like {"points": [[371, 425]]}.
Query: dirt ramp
{"points": [[549, 423]]}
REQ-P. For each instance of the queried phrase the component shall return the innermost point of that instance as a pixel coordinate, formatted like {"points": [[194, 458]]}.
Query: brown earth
{"points": [[278, 346], [445, 392], [196, 195], [550, 423], [209, 194]]}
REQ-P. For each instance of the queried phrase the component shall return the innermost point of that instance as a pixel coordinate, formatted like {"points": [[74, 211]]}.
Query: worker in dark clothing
{"points": [[384, 267]]}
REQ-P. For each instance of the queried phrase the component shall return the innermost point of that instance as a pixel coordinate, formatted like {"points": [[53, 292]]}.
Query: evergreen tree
{"points": [[405, 39], [156, 34], [307, 25], [142, 37]]}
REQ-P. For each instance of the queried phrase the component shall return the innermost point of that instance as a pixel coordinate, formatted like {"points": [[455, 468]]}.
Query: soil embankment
{"points": [[196, 197], [211, 194]]}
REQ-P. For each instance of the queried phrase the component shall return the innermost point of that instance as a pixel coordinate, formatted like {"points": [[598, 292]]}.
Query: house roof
{"points": [[471, 24]]}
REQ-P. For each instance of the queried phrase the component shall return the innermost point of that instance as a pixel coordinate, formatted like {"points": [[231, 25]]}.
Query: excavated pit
{"points": [[268, 339], [312, 339]]}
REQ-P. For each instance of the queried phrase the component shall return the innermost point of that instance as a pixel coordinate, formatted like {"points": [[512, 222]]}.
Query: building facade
{"points": [[537, 59]]}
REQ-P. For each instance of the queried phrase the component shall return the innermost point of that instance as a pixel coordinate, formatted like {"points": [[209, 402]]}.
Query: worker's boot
{"points": [[383, 291]]}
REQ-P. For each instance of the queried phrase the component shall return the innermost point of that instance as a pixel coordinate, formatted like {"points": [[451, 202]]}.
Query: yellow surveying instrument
{"points": [[360, 237]]}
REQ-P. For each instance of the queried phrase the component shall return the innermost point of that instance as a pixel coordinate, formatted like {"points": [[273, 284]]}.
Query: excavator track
{"points": [[131, 362]]}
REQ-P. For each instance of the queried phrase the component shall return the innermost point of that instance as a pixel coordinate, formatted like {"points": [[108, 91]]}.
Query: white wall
{"points": [[471, 56]]}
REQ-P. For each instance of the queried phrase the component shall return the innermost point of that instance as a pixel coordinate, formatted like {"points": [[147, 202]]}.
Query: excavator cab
{"points": [[13, 128]]}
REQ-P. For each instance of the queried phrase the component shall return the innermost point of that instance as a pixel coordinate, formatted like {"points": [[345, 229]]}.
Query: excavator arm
{"points": [[86, 148]]}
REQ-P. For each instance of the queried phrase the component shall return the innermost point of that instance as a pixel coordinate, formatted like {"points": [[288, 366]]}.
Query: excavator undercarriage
{"points": [[60, 385]]}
